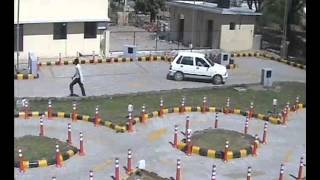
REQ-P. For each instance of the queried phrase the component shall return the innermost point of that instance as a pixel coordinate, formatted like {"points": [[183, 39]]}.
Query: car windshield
{"points": [[210, 60]]}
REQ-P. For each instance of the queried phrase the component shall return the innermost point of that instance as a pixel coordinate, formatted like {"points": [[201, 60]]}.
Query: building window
{"points": [[232, 26], [60, 31], [90, 30], [20, 37]]}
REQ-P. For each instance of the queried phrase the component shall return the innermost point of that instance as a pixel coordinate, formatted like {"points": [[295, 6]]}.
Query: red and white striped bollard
{"points": [[213, 175], [41, 127], [189, 145], [129, 163], [187, 126], [246, 125], [182, 106], [255, 146], [69, 140], [117, 170], [226, 150], [281, 176], [175, 138], [130, 123], [49, 109], [265, 129], [251, 111], [249, 173], [97, 117], [58, 157], [81, 151], [21, 165], [161, 108], [74, 112], [300, 173], [216, 120], [204, 105], [178, 172], [90, 175], [143, 114]]}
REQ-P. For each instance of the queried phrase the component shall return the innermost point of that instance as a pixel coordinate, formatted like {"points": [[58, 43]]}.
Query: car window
{"points": [[179, 60], [200, 62], [187, 60]]}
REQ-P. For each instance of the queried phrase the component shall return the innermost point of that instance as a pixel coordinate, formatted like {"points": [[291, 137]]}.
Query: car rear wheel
{"points": [[217, 79], [178, 76]]}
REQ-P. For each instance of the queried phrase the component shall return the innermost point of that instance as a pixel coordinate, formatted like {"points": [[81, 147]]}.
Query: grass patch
{"points": [[215, 139], [38, 147], [145, 175], [115, 109]]}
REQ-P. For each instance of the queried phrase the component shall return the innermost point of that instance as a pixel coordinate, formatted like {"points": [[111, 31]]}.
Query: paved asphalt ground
{"points": [[123, 78], [151, 143]]}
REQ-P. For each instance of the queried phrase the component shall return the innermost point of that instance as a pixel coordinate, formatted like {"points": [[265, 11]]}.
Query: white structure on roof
{"points": [[50, 27], [208, 25]]}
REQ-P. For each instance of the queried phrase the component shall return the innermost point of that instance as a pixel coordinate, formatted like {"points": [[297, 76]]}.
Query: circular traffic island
{"points": [[40, 151], [212, 143]]}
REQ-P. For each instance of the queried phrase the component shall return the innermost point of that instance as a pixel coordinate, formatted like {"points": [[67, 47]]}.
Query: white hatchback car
{"points": [[196, 65]]}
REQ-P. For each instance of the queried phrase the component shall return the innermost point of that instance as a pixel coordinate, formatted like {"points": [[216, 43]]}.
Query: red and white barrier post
{"points": [[265, 129], [97, 117], [58, 157], [296, 106], [226, 150], [90, 175], [213, 175], [216, 120], [161, 108], [60, 59], [143, 114], [69, 140], [129, 163], [182, 108], [130, 123], [49, 109], [74, 111], [274, 103], [227, 108], [26, 109], [21, 166], [189, 146], [249, 173], [41, 127], [175, 138], [300, 173], [281, 176], [204, 105], [285, 116], [187, 126], [94, 57], [255, 146], [178, 172], [251, 111], [117, 170], [288, 106], [81, 151], [246, 125]]}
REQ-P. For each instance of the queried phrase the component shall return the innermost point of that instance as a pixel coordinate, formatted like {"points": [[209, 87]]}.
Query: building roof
{"points": [[213, 8], [48, 11]]}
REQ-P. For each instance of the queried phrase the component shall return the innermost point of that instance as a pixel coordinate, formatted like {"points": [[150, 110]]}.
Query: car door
{"points": [[187, 66], [202, 68]]}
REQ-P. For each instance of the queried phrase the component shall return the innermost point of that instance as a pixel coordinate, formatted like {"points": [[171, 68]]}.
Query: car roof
{"points": [[191, 54]]}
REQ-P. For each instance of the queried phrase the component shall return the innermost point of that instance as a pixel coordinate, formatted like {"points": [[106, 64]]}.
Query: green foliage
{"points": [[151, 6]]}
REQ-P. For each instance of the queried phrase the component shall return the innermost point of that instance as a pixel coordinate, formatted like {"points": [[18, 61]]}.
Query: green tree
{"points": [[151, 6]]}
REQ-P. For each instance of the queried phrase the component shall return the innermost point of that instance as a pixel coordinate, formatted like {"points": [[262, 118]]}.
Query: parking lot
{"points": [[122, 78]]}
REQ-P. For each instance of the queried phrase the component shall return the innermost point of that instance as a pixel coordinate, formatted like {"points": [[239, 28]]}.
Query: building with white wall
{"points": [[50, 27], [209, 25]]}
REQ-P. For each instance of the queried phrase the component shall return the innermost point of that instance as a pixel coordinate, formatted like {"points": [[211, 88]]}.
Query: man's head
{"points": [[76, 61]]}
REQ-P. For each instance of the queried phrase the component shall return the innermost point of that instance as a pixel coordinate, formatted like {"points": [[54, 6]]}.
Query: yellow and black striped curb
{"points": [[25, 76], [268, 55], [44, 163], [123, 128], [231, 154]]}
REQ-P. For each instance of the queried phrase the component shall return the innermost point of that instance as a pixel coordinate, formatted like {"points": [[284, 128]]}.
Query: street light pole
{"points": [[284, 48], [18, 34]]}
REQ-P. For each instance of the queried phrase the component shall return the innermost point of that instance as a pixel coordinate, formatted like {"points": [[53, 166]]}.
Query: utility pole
{"points": [[284, 43], [18, 35]]}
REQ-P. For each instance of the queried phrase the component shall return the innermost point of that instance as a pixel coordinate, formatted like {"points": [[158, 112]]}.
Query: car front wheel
{"points": [[217, 79], [178, 76]]}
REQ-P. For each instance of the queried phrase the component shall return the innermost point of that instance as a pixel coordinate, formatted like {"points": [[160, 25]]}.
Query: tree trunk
{"points": [[152, 16]]}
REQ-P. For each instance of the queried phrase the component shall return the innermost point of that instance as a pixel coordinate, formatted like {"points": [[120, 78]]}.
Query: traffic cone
{"points": [[246, 125], [69, 140], [187, 126], [178, 172], [189, 146], [161, 108], [249, 174], [264, 138], [225, 154], [182, 106], [281, 176], [213, 175], [130, 123], [97, 117], [58, 157], [255, 146], [227, 108], [74, 112], [216, 120], [90, 175], [117, 170], [251, 111], [175, 138], [49, 109], [129, 164], [300, 173], [143, 115], [22, 168], [204, 105], [81, 151]]}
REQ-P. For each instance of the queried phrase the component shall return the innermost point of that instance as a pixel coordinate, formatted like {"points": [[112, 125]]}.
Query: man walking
{"points": [[77, 78]]}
